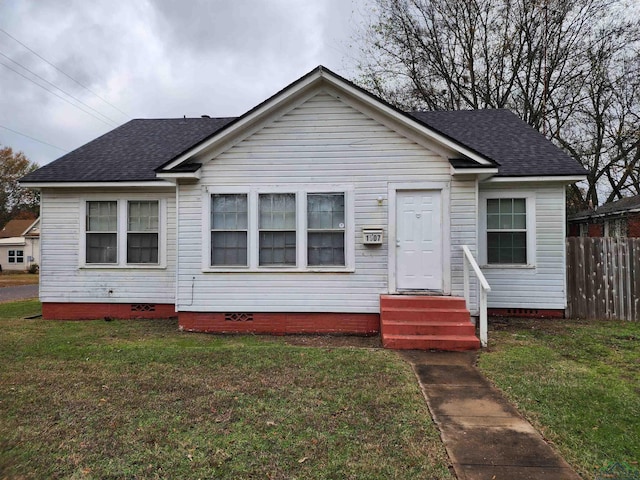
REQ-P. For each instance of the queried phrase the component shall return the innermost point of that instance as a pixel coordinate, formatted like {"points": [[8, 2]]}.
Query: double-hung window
{"points": [[123, 232], [16, 256], [229, 223], [298, 229], [142, 232], [507, 231], [102, 232], [277, 229], [325, 229]]}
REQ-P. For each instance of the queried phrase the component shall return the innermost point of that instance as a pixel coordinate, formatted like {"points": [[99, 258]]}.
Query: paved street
{"points": [[20, 292]]}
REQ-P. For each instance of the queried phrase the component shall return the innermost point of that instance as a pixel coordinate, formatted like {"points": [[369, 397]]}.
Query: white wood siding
{"points": [[61, 278], [322, 141], [543, 286], [464, 231]]}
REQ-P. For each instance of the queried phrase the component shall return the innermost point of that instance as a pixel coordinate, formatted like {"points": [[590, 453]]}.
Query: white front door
{"points": [[419, 228]]}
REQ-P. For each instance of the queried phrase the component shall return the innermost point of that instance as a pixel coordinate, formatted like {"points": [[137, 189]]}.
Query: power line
{"points": [[55, 86], [54, 93], [64, 73], [32, 138]]}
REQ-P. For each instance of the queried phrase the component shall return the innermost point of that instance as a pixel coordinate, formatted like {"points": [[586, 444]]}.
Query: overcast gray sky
{"points": [[155, 59]]}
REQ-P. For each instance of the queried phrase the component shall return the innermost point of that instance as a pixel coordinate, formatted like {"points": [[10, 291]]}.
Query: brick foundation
{"points": [[525, 312], [92, 311], [281, 323]]}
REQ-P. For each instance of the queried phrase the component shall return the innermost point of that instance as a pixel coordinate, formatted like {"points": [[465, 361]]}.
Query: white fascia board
{"points": [[151, 184], [308, 82], [179, 175], [557, 178], [18, 241], [474, 171]]}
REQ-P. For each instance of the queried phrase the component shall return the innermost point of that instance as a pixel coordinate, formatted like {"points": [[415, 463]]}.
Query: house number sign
{"points": [[372, 236]]}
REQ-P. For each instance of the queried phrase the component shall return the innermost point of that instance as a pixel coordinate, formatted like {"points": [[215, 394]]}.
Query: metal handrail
{"points": [[484, 288]]}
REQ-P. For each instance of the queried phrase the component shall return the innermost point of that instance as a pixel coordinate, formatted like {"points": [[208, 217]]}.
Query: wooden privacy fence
{"points": [[603, 278]]}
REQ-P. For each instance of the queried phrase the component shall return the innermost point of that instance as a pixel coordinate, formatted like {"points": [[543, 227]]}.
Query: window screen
{"points": [[325, 229], [229, 229], [102, 232], [277, 229]]}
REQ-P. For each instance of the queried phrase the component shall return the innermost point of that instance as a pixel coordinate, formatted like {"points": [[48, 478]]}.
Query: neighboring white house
{"points": [[20, 245], [305, 209]]}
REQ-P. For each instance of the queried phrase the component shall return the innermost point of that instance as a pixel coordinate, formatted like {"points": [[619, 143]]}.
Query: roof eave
{"points": [[126, 184], [568, 179]]}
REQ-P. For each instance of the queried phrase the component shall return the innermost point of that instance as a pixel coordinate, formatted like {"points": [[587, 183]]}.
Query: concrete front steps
{"points": [[424, 322]]}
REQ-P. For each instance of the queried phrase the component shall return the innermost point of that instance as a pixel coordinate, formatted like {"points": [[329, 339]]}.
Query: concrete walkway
{"points": [[485, 436]]}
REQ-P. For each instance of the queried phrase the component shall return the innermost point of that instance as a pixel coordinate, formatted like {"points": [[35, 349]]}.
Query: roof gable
{"points": [[141, 150]]}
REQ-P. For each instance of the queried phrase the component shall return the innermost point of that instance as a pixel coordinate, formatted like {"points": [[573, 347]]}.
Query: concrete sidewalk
{"points": [[485, 436]]}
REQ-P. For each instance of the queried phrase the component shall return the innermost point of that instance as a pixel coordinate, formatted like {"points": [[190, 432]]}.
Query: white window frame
{"points": [[301, 192], [122, 231], [530, 202]]}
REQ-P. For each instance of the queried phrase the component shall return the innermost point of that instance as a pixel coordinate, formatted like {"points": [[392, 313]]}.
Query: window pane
{"points": [[277, 211], [102, 216], [277, 248], [506, 205], [102, 248], [142, 248], [493, 221], [143, 216], [325, 248], [507, 247], [519, 205], [493, 205], [325, 211], [520, 221], [229, 248], [229, 212]]}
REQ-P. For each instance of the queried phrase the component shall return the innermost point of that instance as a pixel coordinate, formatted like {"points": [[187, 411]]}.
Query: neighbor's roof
{"points": [[135, 150], [612, 208], [15, 228]]}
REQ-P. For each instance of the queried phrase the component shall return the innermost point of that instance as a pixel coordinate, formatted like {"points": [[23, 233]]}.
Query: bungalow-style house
{"points": [[323, 209], [19, 244], [619, 219]]}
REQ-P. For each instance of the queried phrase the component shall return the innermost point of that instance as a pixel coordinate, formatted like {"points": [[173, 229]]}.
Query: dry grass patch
{"points": [[139, 399], [13, 279]]}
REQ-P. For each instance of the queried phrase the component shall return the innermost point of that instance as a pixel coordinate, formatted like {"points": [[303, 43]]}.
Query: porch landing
{"points": [[426, 322]]}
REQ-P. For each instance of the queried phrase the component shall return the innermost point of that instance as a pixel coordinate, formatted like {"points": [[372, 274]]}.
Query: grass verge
{"points": [[578, 382], [13, 279], [139, 399]]}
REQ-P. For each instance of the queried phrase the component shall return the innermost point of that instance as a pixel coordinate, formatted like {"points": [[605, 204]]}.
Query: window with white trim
{"points": [[507, 231], [123, 233], [142, 232], [229, 227], [102, 232], [325, 229], [266, 228], [277, 229], [16, 256]]}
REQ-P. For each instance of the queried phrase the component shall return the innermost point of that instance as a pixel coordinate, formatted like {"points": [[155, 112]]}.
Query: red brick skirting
{"points": [[281, 323], [92, 311], [525, 312]]}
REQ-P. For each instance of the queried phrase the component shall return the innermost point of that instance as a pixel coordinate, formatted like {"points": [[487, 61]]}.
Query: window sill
{"points": [[279, 270], [122, 267], [510, 266]]}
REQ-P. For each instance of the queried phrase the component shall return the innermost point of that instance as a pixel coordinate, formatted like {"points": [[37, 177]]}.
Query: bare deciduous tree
{"points": [[569, 68]]}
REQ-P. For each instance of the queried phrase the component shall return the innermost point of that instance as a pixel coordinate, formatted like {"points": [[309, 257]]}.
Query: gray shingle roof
{"points": [[501, 136], [134, 150], [131, 152], [611, 208]]}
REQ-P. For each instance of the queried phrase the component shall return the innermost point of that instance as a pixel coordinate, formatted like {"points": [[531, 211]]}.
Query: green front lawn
{"points": [[578, 382], [139, 399]]}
